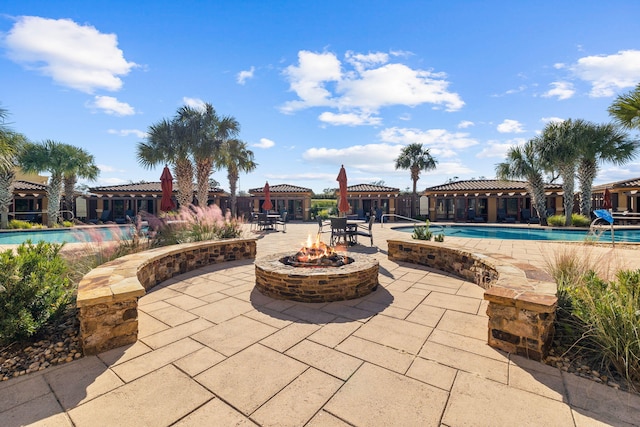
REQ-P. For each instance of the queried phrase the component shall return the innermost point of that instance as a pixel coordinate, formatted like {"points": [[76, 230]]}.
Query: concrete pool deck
{"points": [[213, 351]]}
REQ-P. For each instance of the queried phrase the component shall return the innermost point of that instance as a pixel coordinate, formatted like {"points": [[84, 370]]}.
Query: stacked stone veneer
{"points": [[108, 295], [522, 300], [316, 284]]}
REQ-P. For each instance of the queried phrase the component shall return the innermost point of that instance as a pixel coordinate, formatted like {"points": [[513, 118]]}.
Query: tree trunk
{"points": [[233, 184], [184, 176], [567, 172], [53, 195], [202, 175], [6, 196], [587, 171], [538, 197], [69, 186]]}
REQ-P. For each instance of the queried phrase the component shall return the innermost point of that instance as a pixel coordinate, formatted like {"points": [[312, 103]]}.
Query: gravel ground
{"points": [[57, 344]]}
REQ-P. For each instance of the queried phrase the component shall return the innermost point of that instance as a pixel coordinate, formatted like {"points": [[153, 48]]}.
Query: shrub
{"points": [[195, 224], [556, 220], [67, 223], [422, 232], [18, 224], [35, 288], [596, 318], [580, 220], [439, 238]]}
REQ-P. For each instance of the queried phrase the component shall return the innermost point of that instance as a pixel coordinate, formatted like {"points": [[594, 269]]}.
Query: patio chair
{"points": [[264, 222], [525, 214], [282, 221], [253, 221], [471, 216], [502, 217], [103, 218], [339, 231], [361, 215], [366, 229], [321, 224]]}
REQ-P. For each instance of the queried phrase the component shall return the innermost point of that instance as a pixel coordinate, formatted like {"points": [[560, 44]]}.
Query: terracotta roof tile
{"points": [[281, 188], [486, 185], [633, 182], [371, 188], [142, 187], [28, 186]]}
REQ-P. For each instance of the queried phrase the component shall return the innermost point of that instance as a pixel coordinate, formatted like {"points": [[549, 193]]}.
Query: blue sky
{"points": [[318, 84]]}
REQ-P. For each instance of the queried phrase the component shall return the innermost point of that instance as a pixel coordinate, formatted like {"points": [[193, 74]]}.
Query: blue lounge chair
{"points": [[525, 214]]}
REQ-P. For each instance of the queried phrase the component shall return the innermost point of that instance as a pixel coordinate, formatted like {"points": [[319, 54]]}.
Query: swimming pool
{"points": [[66, 235], [525, 233]]}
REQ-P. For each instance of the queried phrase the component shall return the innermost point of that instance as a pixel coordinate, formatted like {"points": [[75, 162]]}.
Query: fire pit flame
{"points": [[316, 254]]}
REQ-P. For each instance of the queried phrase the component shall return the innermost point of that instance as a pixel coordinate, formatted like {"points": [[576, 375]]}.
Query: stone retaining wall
{"points": [[108, 295], [522, 299]]}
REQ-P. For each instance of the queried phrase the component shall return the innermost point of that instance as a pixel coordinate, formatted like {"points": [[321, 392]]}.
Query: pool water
{"points": [[66, 235], [526, 233]]}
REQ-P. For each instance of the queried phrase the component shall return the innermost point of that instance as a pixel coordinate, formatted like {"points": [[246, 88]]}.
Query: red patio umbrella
{"points": [[606, 202], [267, 205], [166, 183], [343, 203]]}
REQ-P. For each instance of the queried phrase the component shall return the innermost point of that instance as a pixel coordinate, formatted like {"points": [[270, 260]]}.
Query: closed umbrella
{"points": [[343, 203], [267, 205], [606, 203], [166, 183]]}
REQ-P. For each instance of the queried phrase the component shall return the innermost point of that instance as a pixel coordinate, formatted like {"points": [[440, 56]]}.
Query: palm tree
{"points": [[53, 157], [626, 109], [415, 158], [80, 165], [235, 157], [11, 144], [167, 144], [558, 148], [206, 133], [597, 144], [525, 162]]}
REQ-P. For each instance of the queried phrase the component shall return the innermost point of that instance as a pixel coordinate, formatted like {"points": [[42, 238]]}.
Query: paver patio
{"points": [[213, 351]]}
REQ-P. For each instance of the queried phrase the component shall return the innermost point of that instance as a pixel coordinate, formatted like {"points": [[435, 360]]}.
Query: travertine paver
{"points": [[474, 399], [214, 351], [374, 396], [158, 399]]}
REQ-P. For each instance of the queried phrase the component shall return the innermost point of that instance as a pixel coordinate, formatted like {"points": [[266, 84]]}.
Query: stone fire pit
{"points": [[316, 284]]}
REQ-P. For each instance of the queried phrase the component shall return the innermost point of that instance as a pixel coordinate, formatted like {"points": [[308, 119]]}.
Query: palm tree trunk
{"points": [[53, 195], [184, 176], [69, 186], [567, 174], [202, 175], [233, 185], [6, 196], [538, 197], [587, 171]]}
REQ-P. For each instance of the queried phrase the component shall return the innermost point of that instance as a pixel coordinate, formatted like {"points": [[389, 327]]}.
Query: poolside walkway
{"points": [[213, 351]]}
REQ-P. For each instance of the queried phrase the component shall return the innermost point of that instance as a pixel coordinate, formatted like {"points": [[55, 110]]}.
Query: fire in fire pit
{"points": [[316, 254]]}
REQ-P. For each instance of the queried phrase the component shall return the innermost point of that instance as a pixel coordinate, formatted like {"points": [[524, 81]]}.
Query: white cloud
{"points": [[73, 55], [440, 142], [111, 105], [110, 181], [195, 103], [127, 132], [465, 124], [264, 143], [373, 158], [563, 90], [244, 75], [349, 119], [362, 85], [498, 149], [609, 73], [546, 120], [510, 126]]}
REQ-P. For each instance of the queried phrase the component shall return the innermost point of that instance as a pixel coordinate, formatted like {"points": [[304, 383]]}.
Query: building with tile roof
{"points": [[625, 195], [368, 199], [285, 197], [484, 198], [130, 199]]}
